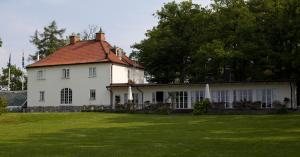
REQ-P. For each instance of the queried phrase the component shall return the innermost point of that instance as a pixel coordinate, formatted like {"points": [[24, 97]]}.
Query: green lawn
{"points": [[129, 135]]}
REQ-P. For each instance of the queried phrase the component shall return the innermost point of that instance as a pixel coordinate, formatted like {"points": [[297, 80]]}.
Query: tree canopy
{"points": [[233, 40], [48, 41], [0, 42], [16, 78]]}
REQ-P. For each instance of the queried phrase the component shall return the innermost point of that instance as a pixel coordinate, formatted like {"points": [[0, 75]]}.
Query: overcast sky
{"points": [[123, 21]]}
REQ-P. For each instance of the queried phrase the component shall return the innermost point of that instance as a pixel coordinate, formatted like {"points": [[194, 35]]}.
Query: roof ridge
{"points": [[106, 54]]}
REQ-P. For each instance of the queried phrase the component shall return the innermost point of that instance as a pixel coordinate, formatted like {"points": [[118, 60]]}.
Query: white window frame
{"points": [[42, 96], [243, 94], [92, 94], [221, 96], [153, 97], [180, 99], [135, 97], [66, 73], [92, 72], [66, 96], [41, 75], [266, 96]]}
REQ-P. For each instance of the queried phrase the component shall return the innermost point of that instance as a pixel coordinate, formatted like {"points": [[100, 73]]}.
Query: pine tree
{"points": [[48, 41]]}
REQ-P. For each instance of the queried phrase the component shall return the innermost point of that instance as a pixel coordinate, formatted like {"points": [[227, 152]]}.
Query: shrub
{"points": [[218, 105], [201, 107], [159, 108], [286, 101], [280, 108], [163, 108], [247, 105], [283, 110], [3, 105], [121, 108]]}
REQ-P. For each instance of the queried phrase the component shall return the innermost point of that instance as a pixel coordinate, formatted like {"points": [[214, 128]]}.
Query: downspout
{"points": [[110, 90], [142, 96]]}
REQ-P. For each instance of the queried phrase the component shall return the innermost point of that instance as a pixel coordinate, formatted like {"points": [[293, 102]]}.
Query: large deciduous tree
{"points": [[90, 32], [233, 40], [48, 41], [166, 52]]}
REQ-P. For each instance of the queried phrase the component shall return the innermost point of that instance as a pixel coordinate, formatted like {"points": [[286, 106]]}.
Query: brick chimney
{"points": [[100, 36], [74, 39]]}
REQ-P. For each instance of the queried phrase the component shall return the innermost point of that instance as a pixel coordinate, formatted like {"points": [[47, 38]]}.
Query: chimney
{"points": [[100, 36], [74, 39]]}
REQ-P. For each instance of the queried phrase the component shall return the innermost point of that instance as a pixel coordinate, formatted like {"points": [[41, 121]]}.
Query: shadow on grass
{"points": [[136, 135]]}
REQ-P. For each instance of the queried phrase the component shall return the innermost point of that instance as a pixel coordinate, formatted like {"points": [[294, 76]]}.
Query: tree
{"points": [[233, 40], [166, 52], [3, 105], [16, 78], [90, 32], [0, 42], [48, 41]]}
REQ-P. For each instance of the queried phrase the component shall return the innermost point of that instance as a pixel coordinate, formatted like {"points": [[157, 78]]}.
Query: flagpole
{"points": [[8, 78], [9, 64], [23, 65]]}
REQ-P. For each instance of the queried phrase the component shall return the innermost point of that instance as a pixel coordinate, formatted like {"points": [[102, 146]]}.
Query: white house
{"points": [[78, 74], [93, 73]]}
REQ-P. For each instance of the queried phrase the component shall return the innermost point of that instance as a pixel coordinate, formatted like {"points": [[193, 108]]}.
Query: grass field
{"points": [[130, 135]]}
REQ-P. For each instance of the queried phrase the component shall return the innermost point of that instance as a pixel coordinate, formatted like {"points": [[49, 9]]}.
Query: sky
{"points": [[124, 22]]}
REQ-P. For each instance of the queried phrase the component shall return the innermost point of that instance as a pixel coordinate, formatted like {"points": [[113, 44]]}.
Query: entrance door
{"points": [[159, 97]]}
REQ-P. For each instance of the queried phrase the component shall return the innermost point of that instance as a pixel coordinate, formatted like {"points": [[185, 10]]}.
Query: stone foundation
{"points": [[85, 108]]}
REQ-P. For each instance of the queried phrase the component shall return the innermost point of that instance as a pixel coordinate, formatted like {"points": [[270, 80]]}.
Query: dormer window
{"points": [[65, 73]]}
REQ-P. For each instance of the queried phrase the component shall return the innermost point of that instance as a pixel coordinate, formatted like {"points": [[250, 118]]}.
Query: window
{"points": [[66, 96], [128, 74], [41, 75], [92, 72], [180, 99], [159, 97], [266, 97], [66, 73], [242, 95], [135, 98], [221, 96], [92, 94], [42, 96], [125, 98], [153, 97], [117, 99], [197, 96]]}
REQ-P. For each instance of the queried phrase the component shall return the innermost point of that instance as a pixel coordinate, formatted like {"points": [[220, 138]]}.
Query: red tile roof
{"points": [[90, 51]]}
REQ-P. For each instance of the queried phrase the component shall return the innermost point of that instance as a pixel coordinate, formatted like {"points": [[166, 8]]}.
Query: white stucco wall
{"points": [[282, 90], [120, 74], [79, 82]]}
